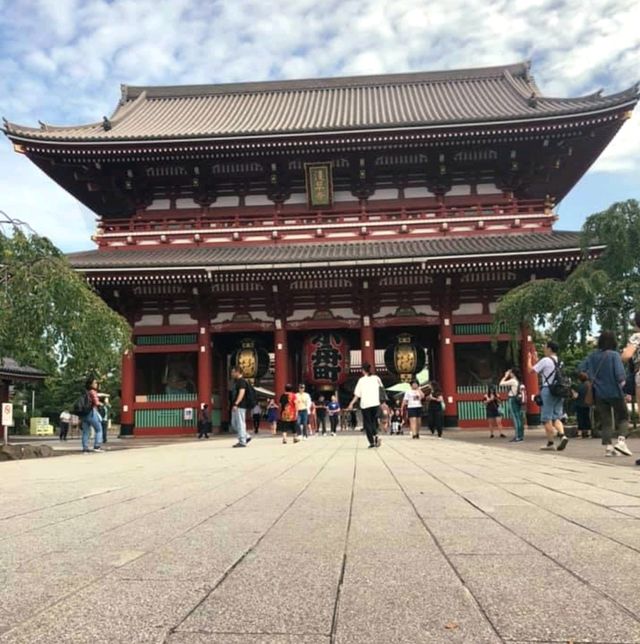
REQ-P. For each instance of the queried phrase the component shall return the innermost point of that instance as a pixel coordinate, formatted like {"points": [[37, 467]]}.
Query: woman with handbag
{"points": [[606, 372], [494, 416]]}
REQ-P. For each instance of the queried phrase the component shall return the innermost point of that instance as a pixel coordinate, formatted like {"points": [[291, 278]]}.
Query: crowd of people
{"points": [[603, 389], [601, 393], [297, 416]]}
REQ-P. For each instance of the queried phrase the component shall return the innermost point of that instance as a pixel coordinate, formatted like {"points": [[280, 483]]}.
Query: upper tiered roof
{"points": [[503, 94]]}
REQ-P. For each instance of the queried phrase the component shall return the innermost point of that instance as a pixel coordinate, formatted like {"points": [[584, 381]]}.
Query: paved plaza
{"points": [[324, 541]]}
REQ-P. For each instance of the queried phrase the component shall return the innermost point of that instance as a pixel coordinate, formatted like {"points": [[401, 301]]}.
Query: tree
{"points": [[50, 318], [601, 292]]}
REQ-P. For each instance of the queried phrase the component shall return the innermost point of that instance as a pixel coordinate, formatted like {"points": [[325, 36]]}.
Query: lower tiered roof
{"points": [[316, 255]]}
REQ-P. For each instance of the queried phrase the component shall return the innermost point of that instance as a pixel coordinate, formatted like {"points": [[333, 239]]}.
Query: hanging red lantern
{"points": [[326, 359]]}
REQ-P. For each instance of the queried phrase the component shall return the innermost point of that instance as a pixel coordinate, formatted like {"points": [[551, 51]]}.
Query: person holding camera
{"points": [[516, 397], [552, 406]]}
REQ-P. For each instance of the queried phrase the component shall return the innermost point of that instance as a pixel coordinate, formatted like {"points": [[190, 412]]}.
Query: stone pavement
{"points": [[323, 541]]}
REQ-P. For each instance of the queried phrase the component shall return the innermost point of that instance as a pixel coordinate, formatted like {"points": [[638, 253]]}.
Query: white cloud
{"points": [[64, 60]]}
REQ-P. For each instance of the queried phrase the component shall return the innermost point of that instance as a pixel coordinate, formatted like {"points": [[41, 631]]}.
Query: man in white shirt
{"points": [[368, 393], [303, 406], [552, 406]]}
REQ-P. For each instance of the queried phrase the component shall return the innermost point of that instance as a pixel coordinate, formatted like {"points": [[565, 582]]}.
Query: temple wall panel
{"points": [[226, 202], [181, 318], [385, 193], [469, 308], [182, 204], [159, 204], [149, 320]]}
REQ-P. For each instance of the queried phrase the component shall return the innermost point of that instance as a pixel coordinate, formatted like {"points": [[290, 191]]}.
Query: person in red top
{"points": [[92, 419], [288, 414]]}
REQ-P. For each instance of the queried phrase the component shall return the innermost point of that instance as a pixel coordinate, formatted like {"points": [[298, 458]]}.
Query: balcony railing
{"points": [[240, 222]]}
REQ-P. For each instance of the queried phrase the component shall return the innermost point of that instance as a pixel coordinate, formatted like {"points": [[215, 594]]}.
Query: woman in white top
{"points": [[412, 402], [516, 397]]}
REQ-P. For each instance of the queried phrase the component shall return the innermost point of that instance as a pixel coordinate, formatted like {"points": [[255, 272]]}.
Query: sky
{"points": [[63, 62]]}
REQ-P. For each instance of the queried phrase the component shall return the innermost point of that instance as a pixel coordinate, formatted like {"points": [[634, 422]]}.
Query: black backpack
{"points": [[250, 396], [82, 406], [560, 386]]}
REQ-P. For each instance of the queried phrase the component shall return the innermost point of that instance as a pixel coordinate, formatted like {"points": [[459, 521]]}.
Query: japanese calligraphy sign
{"points": [[319, 184], [326, 356]]}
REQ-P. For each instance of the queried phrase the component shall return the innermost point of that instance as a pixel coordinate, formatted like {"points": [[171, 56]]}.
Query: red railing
{"points": [[267, 218]]}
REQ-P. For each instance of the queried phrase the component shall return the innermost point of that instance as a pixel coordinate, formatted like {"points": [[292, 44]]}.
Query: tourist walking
{"points": [[412, 405], [367, 393], [256, 416], [494, 415], [385, 416], [91, 418], [321, 415], [303, 405], [313, 419], [606, 372], [239, 407], [582, 400], [204, 422], [272, 415], [631, 354], [552, 406], [516, 397], [333, 408], [288, 423], [65, 419], [435, 409], [396, 420]]}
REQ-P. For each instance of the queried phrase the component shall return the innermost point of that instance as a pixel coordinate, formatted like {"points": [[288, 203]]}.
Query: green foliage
{"points": [[601, 292], [50, 318]]}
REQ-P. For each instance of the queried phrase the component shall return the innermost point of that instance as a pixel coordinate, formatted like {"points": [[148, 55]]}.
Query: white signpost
{"points": [[7, 421]]}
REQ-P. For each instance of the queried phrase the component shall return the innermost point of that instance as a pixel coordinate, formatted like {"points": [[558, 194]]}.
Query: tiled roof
{"points": [[492, 94], [9, 368], [324, 254]]}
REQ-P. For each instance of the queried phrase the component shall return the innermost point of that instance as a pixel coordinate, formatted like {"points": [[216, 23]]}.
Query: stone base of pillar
{"points": [[126, 429], [533, 420], [450, 421]]}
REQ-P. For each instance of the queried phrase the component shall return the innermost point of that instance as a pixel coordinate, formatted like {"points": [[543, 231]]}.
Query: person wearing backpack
{"points": [[516, 397], [87, 410], [288, 414], [607, 374], [552, 403], [241, 395]]}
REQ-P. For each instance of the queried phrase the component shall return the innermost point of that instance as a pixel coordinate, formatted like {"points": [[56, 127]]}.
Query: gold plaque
{"points": [[319, 182]]}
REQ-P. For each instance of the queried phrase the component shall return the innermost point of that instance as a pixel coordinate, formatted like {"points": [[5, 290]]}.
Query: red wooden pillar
{"points": [[223, 380], [367, 342], [128, 393], [205, 372], [4, 390], [447, 369], [281, 363], [530, 379]]}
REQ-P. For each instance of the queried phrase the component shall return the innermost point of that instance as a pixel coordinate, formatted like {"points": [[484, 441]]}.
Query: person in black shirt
{"points": [[239, 407], [204, 421], [321, 414]]}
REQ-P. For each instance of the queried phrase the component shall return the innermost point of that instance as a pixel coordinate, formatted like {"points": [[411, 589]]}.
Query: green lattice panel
{"points": [[163, 418], [156, 340], [476, 410], [474, 329], [172, 397]]}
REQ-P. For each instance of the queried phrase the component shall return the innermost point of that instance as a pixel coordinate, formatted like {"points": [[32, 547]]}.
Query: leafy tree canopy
{"points": [[50, 318], [602, 292]]}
